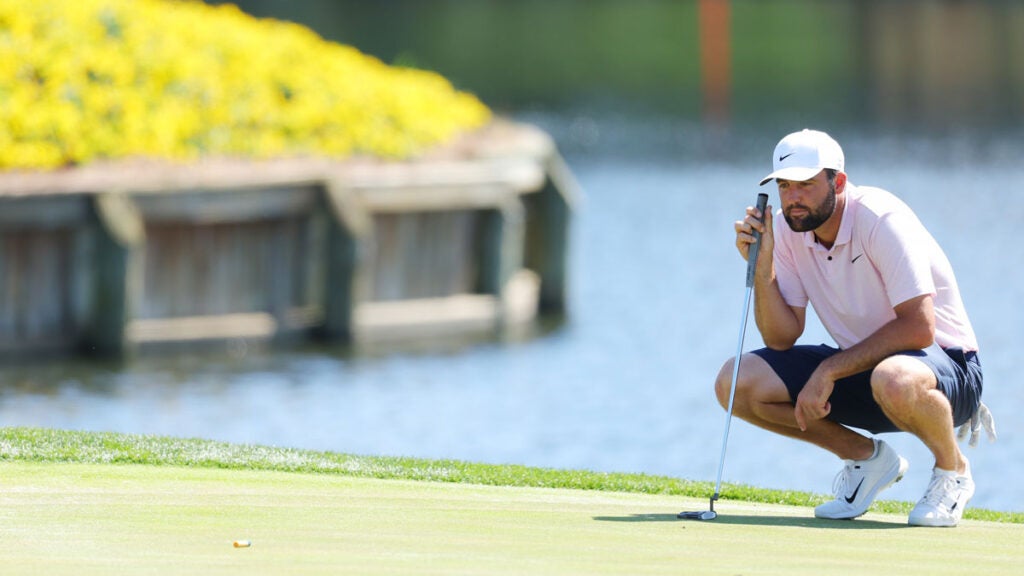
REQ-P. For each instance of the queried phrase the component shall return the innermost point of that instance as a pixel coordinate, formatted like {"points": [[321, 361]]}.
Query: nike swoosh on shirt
{"points": [[855, 258], [852, 497]]}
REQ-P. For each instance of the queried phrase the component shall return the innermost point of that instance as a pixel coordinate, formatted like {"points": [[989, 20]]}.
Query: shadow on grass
{"points": [[761, 520]]}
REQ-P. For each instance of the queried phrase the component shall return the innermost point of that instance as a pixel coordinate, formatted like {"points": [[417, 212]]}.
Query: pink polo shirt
{"points": [[882, 256]]}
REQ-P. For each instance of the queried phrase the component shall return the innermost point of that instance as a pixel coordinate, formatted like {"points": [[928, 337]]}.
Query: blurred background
{"points": [[751, 68], [666, 111]]}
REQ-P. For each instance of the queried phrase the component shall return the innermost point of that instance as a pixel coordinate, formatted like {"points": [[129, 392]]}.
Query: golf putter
{"points": [[710, 514]]}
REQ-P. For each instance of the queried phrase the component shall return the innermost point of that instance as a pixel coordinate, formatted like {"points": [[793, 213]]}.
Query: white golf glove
{"points": [[981, 418]]}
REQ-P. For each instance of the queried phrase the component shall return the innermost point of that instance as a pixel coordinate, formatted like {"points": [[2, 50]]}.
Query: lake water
{"points": [[625, 383]]}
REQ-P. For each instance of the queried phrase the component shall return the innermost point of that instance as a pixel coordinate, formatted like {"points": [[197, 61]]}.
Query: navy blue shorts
{"points": [[958, 374]]}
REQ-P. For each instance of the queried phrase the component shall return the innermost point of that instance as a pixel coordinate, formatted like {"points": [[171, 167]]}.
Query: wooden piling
{"points": [[119, 241], [348, 229]]}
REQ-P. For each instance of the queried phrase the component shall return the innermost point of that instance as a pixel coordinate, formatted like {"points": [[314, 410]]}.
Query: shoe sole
{"points": [[901, 469], [938, 523]]}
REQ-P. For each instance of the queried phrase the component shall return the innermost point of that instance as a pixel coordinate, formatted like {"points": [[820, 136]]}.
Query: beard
{"points": [[815, 217]]}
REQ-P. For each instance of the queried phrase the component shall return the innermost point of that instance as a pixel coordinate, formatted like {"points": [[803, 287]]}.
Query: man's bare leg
{"points": [[871, 465], [905, 388], [762, 400]]}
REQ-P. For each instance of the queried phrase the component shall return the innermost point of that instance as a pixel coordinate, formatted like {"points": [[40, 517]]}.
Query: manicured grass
{"points": [[87, 504], [107, 519], [44, 445]]}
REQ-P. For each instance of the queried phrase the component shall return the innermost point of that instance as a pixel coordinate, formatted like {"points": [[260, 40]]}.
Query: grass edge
{"points": [[44, 445]]}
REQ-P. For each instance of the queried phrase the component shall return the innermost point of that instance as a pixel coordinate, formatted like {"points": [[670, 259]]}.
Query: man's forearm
{"points": [[779, 324], [912, 329]]}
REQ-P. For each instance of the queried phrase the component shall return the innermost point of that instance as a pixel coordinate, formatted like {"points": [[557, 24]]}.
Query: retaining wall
{"points": [[105, 258]]}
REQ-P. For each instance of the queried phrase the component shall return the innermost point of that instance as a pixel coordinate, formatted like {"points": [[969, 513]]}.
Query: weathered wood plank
{"points": [[256, 325], [423, 255], [35, 300], [425, 317], [227, 205], [43, 212], [225, 268], [454, 315]]}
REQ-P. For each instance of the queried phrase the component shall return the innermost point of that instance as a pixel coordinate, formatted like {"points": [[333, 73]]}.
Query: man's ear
{"points": [[840, 182]]}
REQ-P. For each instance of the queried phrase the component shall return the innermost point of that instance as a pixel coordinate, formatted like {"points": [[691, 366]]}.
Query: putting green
{"points": [[83, 520]]}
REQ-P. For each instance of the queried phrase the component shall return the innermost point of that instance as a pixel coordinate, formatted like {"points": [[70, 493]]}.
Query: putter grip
{"points": [[755, 248]]}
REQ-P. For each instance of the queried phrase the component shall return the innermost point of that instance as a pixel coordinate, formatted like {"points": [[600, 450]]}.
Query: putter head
{"points": [[701, 515], [709, 514]]}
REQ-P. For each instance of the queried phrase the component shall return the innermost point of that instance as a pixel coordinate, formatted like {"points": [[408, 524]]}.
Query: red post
{"points": [[715, 59]]}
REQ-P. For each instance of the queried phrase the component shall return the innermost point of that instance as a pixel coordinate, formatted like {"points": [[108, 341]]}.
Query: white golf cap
{"points": [[801, 155]]}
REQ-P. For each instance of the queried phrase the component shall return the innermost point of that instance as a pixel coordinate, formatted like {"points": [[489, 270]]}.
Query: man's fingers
{"points": [[744, 237], [803, 413], [755, 222], [745, 229]]}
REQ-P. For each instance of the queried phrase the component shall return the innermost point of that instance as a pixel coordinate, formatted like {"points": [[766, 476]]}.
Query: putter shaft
{"points": [[762, 204], [755, 248], [732, 393]]}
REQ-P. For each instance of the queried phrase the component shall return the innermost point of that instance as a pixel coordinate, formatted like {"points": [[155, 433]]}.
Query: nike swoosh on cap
{"points": [[781, 158]]}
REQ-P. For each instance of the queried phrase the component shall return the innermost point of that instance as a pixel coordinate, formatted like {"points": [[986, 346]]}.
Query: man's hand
{"points": [[812, 403], [745, 232]]}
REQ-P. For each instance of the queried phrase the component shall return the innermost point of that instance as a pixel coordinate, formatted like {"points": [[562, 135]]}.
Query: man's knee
{"points": [[749, 382], [899, 381], [723, 383]]}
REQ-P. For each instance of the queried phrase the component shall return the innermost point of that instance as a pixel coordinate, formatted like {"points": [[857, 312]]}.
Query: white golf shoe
{"points": [[944, 502], [860, 481]]}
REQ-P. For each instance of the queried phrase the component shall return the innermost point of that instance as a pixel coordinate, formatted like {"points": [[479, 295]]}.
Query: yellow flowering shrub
{"points": [[82, 80]]}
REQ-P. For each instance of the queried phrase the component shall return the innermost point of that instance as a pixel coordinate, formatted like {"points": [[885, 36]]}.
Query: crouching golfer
{"points": [[907, 358]]}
